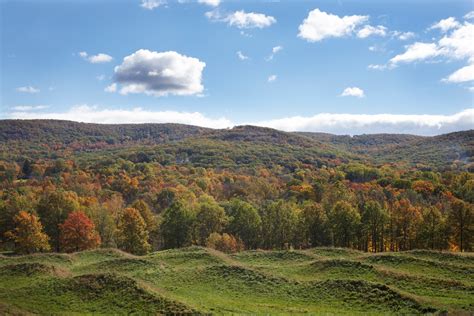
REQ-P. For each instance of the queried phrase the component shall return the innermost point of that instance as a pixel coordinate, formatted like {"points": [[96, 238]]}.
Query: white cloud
{"points": [[462, 75], [458, 44], [471, 89], [324, 122], [29, 107], [377, 67], [91, 114], [369, 30], [272, 78], [353, 92], [100, 77], [160, 74], [469, 15], [242, 56], [96, 59], [28, 89], [375, 123], [275, 51], [242, 19], [415, 52], [152, 4], [404, 36], [320, 25], [446, 24], [111, 88], [213, 3], [455, 44]]}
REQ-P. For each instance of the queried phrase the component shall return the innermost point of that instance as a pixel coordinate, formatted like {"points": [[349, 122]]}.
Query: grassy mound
{"points": [[31, 269], [369, 296], [342, 268], [196, 279], [122, 292], [263, 257], [466, 259]]}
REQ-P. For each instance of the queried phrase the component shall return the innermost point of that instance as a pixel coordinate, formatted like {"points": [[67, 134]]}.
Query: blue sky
{"points": [[374, 66]]}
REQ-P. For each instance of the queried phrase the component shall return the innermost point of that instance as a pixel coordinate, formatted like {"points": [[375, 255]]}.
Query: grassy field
{"points": [[200, 280]]}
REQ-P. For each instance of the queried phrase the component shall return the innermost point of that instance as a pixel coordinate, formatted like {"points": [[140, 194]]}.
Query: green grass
{"points": [[200, 280]]}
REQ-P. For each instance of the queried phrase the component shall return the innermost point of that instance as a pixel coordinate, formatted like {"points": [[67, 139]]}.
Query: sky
{"points": [[343, 67]]}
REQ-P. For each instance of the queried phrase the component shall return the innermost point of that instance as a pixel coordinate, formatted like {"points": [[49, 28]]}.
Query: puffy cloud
{"points": [[469, 15], [91, 114], [324, 122], [28, 89], [369, 30], [29, 107], [242, 56], [213, 3], [96, 59], [458, 44], [353, 92], [320, 25], [100, 77], [461, 75], [160, 74], [272, 78], [242, 19], [152, 4], [375, 123], [415, 52], [111, 88], [446, 25]]}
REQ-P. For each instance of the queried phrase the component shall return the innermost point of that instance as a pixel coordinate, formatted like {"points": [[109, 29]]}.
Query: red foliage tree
{"points": [[78, 233]]}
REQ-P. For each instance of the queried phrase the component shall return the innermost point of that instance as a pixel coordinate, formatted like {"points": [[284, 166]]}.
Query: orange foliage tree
{"points": [[28, 234], [78, 233]]}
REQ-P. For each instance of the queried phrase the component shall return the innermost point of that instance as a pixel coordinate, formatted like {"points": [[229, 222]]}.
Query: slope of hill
{"points": [[201, 280], [241, 144], [437, 150]]}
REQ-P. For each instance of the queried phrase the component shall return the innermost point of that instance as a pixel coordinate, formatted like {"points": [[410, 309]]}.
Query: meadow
{"points": [[201, 280]]}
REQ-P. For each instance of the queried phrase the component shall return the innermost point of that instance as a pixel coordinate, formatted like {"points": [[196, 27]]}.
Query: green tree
{"points": [[314, 225], [279, 222], [53, 209], [461, 219], [132, 232], [176, 226], [344, 221], [433, 229], [210, 218], [244, 222], [146, 213], [373, 219]]}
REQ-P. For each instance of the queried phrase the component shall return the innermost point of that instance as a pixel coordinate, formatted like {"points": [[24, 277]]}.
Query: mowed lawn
{"points": [[201, 280]]}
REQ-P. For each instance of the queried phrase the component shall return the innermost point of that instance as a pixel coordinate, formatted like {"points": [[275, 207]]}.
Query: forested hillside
{"points": [[69, 186]]}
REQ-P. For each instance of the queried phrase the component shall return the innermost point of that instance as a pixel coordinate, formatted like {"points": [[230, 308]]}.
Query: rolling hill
{"points": [[202, 280], [38, 138]]}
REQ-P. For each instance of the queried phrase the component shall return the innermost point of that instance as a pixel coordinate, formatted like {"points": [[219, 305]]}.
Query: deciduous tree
{"points": [[132, 232], [28, 234], [78, 233]]}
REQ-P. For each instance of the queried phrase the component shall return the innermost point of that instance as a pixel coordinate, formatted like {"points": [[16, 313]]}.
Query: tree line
{"points": [[141, 207]]}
